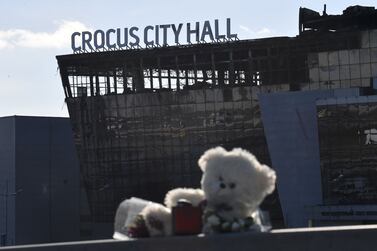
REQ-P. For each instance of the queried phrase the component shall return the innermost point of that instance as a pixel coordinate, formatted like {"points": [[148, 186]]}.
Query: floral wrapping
{"points": [[213, 223]]}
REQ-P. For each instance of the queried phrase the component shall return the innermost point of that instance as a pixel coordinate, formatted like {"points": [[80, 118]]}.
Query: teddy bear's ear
{"points": [[265, 177], [269, 179], [210, 154]]}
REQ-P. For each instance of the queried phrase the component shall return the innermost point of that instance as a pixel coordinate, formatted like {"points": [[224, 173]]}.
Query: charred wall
{"points": [[147, 143], [141, 118]]}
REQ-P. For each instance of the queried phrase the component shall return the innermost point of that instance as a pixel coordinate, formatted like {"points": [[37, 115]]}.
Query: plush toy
{"points": [[234, 184]]}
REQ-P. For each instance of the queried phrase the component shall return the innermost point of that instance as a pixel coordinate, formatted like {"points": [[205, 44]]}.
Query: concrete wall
{"points": [[290, 124], [65, 187], [47, 181], [312, 239], [39, 181]]}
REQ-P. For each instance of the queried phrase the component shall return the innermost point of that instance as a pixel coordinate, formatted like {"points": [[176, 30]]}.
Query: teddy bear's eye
{"points": [[222, 185], [232, 185]]}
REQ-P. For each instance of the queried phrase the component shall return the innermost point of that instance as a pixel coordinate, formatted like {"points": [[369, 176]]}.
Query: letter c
{"points": [[73, 45], [110, 46], [146, 42]]}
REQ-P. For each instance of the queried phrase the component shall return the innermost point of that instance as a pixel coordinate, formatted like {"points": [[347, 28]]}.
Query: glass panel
{"points": [[348, 145]]}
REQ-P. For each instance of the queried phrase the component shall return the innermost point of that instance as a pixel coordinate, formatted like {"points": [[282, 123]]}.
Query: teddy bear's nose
{"points": [[222, 185]]}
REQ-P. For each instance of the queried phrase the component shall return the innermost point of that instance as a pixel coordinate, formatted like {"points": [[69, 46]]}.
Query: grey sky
{"points": [[33, 32]]}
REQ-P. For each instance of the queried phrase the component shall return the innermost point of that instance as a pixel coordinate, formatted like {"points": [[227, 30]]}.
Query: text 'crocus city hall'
{"points": [[305, 105]]}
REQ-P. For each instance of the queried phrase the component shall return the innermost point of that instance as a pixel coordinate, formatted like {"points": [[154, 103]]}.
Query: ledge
{"points": [[325, 239]]}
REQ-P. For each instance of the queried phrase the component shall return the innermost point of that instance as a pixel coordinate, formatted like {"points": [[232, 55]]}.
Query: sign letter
{"points": [[73, 46], [146, 42], [164, 32], [217, 35], [86, 41], [99, 43], [176, 32], [195, 31], [207, 30], [228, 33], [125, 35], [110, 46], [134, 36]]}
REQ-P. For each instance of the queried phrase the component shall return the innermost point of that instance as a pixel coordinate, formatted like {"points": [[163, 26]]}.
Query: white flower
{"points": [[213, 220], [235, 226]]}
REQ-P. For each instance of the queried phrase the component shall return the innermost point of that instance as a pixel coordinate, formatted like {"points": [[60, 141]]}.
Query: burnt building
{"points": [[142, 117]]}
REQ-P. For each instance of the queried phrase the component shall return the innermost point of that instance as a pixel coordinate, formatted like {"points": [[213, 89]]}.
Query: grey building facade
{"points": [[307, 163], [39, 181], [138, 114]]}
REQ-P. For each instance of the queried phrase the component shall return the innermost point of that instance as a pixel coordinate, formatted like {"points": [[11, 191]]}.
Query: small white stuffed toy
{"points": [[234, 184]]}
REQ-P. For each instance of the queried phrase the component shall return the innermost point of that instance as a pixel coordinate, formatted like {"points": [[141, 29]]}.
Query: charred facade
{"points": [[142, 118], [348, 137]]}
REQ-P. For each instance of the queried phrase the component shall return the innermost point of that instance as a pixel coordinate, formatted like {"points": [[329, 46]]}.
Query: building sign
{"points": [[348, 213], [371, 136], [151, 36], [343, 212]]}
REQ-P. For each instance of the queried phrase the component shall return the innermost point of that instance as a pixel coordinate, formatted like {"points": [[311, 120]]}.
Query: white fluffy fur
{"points": [[195, 196], [157, 212], [252, 182]]}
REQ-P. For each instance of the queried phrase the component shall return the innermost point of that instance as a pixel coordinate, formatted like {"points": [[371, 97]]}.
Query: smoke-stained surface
{"points": [[145, 144], [348, 147], [142, 117]]}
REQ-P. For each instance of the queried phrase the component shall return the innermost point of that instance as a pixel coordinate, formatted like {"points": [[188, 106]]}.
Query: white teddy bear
{"points": [[234, 184]]}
